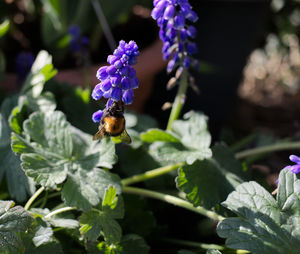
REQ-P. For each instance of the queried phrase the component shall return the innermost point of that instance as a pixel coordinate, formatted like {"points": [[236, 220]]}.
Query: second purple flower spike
{"points": [[173, 18]]}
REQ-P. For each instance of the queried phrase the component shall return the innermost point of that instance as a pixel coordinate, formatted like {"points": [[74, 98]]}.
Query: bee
{"points": [[112, 124]]}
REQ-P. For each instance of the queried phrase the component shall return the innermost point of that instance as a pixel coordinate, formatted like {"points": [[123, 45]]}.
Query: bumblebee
{"points": [[112, 124]]}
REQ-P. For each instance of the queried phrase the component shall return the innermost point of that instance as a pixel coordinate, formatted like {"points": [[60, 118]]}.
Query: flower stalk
{"points": [[151, 174], [179, 99], [33, 197], [173, 200], [60, 210], [268, 149]]}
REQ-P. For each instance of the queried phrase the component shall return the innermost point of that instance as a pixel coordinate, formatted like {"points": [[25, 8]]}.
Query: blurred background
{"points": [[248, 80], [248, 51]]}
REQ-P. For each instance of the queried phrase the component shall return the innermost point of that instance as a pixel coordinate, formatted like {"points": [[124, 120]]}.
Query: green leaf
{"points": [[111, 229], [12, 221], [213, 252], [47, 248], [171, 153], [129, 244], [45, 158], [90, 154], [26, 105], [40, 239], [85, 189], [17, 117], [226, 159], [193, 131], [91, 225], [204, 182], [195, 141], [138, 219], [288, 193], [4, 26], [134, 244], [264, 225], [153, 135], [110, 197], [41, 71], [59, 220], [43, 233], [209, 182], [64, 41], [19, 185], [137, 124], [44, 102], [54, 149], [51, 151], [94, 222]]}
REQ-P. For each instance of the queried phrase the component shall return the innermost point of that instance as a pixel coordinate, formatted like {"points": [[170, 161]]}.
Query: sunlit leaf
{"points": [[41, 71], [85, 189], [4, 26], [264, 225], [153, 135], [194, 141]]}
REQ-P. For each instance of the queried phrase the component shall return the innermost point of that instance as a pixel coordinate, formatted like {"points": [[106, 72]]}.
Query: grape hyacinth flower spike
{"points": [[294, 168], [77, 43], [173, 18], [117, 81]]}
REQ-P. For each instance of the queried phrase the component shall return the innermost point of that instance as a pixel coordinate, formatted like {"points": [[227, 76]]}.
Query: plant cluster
{"points": [[76, 195]]}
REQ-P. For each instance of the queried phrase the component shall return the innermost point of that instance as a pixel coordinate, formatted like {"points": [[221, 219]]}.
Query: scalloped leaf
{"points": [[204, 182], [96, 221], [50, 149], [85, 189], [264, 225], [41, 71], [194, 141]]}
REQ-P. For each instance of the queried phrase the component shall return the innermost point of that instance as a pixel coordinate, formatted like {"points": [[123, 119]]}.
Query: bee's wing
{"points": [[100, 134], [125, 137]]}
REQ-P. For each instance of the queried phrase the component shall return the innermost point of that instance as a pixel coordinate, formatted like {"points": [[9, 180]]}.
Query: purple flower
{"points": [[294, 168], [173, 18], [97, 116], [118, 78], [78, 43], [24, 61]]}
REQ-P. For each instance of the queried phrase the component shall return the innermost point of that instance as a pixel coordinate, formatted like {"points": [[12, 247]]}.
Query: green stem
{"points": [[49, 196], [151, 174], [33, 197], [60, 210], [179, 99], [173, 200], [195, 244], [45, 200], [268, 149]]}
